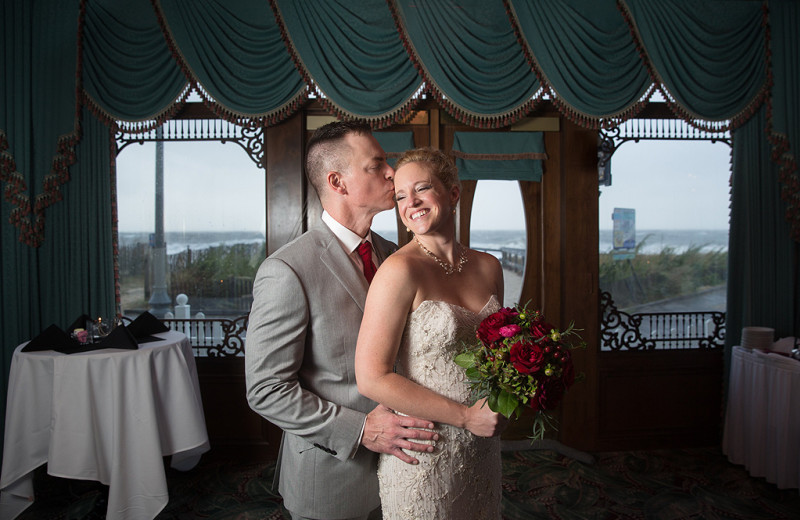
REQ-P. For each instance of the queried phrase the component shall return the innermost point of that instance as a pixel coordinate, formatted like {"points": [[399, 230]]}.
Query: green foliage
{"points": [[218, 278], [216, 272], [667, 274]]}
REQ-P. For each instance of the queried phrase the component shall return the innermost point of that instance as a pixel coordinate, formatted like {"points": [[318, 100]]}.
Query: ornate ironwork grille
{"points": [[659, 330], [198, 125]]}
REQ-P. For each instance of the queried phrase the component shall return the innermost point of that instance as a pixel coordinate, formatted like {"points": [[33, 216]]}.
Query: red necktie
{"points": [[365, 251]]}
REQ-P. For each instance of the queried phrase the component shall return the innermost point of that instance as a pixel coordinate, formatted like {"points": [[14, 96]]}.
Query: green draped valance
{"points": [[128, 71], [352, 55], [515, 156], [585, 56], [709, 57], [486, 62], [236, 53], [394, 144], [468, 55]]}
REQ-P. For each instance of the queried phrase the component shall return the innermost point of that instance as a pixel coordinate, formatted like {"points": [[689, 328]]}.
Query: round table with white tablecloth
{"points": [[109, 415]]}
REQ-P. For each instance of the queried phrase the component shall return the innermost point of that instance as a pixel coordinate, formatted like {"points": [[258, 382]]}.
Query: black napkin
{"points": [[51, 338], [120, 337], [81, 322], [146, 324]]}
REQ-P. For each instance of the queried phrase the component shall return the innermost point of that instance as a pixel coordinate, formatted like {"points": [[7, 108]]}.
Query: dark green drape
{"points": [[762, 257], [128, 70], [353, 53], [57, 259], [236, 53], [708, 55], [785, 105], [470, 57], [514, 156], [586, 54]]}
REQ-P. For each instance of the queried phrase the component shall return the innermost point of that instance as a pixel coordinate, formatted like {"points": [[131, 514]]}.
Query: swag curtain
{"points": [[350, 53], [237, 55], [585, 56], [762, 259], [469, 57], [708, 56]]}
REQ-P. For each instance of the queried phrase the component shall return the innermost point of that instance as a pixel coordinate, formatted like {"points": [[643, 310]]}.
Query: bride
{"points": [[424, 301]]}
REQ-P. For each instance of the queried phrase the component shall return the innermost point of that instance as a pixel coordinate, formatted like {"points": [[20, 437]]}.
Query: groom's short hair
{"points": [[325, 151]]}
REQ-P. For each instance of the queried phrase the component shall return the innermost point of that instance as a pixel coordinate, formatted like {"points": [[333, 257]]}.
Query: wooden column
{"points": [[285, 184]]}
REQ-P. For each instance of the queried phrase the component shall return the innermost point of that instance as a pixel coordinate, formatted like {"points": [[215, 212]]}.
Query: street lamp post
{"points": [[159, 299]]}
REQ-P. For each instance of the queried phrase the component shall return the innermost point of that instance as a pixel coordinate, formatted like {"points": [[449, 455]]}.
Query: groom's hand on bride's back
{"points": [[387, 432]]}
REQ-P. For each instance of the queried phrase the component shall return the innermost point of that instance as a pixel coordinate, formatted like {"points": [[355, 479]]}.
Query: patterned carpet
{"points": [[697, 483]]}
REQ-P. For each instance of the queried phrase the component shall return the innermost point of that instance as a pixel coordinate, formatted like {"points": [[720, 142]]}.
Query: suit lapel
{"points": [[341, 266], [383, 248]]}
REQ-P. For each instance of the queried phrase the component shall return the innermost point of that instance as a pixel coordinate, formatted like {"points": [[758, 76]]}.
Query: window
{"points": [[680, 193], [213, 220], [498, 227]]}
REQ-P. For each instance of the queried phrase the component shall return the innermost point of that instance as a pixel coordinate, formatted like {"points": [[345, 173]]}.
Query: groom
{"points": [[308, 301]]}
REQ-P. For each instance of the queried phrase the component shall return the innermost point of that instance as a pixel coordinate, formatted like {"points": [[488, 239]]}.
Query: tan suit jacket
{"points": [[308, 302]]}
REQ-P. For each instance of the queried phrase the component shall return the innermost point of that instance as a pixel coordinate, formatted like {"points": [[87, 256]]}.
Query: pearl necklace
{"points": [[447, 266]]}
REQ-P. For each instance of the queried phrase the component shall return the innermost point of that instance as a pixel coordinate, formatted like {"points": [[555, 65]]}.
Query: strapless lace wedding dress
{"points": [[461, 478]]}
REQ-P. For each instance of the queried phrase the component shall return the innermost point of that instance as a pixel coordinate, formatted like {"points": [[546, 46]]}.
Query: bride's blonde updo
{"points": [[437, 162]]}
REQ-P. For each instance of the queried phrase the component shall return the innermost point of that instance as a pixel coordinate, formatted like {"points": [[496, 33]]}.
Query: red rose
{"points": [[508, 312], [540, 329], [527, 357], [489, 329], [550, 393]]}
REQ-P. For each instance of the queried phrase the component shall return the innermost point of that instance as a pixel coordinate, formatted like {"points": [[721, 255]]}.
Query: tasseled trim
{"points": [[29, 217], [378, 122], [16, 190], [498, 156], [140, 126], [781, 154], [571, 113]]}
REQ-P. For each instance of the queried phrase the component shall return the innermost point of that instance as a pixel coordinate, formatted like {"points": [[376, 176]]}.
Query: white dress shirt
{"points": [[349, 240]]}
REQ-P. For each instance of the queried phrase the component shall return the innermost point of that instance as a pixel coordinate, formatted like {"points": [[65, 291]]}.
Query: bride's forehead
{"points": [[414, 172]]}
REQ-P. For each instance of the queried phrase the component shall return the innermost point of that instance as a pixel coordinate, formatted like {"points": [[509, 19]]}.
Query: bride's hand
{"points": [[483, 422]]}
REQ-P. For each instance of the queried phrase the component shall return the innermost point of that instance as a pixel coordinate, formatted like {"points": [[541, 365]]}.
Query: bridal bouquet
{"points": [[519, 360]]}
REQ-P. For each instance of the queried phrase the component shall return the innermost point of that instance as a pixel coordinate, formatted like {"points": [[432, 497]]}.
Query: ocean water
{"points": [[651, 241], [178, 241]]}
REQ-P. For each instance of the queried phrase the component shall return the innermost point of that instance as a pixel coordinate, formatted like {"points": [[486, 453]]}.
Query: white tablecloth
{"points": [[762, 422], [108, 415]]}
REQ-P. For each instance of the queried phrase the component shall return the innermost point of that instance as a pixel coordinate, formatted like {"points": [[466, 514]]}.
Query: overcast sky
{"points": [[210, 186]]}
